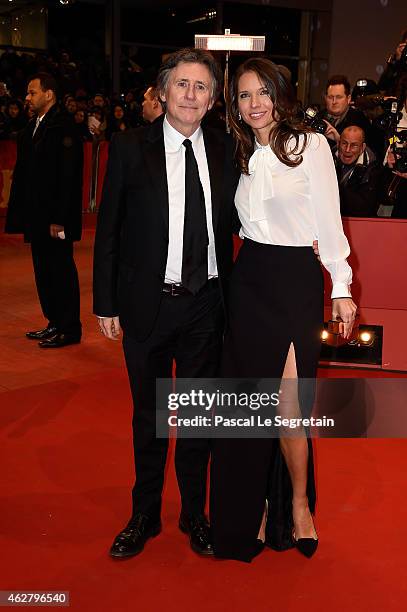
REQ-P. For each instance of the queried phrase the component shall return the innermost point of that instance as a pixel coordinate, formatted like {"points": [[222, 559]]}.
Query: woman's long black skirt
{"points": [[275, 299]]}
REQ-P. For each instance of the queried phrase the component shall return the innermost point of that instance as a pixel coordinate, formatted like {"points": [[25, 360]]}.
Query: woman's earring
{"points": [[239, 116]]}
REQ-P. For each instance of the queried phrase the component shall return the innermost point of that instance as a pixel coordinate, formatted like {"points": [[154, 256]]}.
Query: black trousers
{"points": [[57, 283], [188, 330]]}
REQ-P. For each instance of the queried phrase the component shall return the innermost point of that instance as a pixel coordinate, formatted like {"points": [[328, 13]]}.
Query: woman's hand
{"points": [[344, 309]]}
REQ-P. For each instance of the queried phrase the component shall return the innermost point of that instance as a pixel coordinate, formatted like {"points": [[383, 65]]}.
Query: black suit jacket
{"points": [[47, 179], [131, 243]]}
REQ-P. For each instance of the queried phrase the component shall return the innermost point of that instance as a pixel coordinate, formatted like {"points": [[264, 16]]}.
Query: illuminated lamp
{"points": [[229, 42]]}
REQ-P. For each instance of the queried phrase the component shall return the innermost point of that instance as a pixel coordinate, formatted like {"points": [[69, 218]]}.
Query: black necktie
{"points": [[195, 246]]}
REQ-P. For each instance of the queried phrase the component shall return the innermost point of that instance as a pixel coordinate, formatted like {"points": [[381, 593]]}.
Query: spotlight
{"points": [[229, 42], [366, 338], [365, 347]]}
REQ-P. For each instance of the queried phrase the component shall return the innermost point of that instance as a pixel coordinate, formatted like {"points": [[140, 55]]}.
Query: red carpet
{"points": [[66, 460]]}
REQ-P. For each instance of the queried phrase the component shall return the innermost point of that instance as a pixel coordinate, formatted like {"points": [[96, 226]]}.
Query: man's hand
{"points": [[331, 132], [316, 250], [54, 229], [345, 310], [391, 160], [110, 327]]}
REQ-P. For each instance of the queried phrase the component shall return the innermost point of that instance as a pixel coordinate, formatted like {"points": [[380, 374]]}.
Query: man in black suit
{"points": [[163, 251], [46, 206]]}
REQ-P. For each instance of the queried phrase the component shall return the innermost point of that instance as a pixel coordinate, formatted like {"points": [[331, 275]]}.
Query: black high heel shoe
{"points": [[306, 546]]}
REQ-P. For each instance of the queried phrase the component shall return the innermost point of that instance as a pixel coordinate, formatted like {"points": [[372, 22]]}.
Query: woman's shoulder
{"points": [[311, 146], [315, 141], [305, 143]]}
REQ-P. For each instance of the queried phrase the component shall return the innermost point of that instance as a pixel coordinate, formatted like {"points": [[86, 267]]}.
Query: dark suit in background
{"points": [[47, 189]]}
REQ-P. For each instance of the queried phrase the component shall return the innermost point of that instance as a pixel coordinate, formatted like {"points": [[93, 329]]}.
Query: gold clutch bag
{"points": [[333, 335]]}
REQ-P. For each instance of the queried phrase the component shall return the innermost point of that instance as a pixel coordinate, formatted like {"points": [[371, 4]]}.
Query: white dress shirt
{"points": [[175, 164], [294, 206]]}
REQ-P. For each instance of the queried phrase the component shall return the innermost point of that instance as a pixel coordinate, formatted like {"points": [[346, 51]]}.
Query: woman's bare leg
{"points": [[262, 531], [295, 451]]}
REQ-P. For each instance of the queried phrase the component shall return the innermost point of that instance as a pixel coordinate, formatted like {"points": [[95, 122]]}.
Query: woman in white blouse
{"points": [[287, 197]]}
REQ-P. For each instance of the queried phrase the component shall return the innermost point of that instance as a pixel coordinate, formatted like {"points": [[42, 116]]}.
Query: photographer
{"points": [[396, 157], [359, 174], [377, 108], [338, 113], [396, 67]]}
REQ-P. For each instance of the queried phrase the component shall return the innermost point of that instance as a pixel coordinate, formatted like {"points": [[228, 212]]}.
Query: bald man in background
{"points": [[359, 174]]}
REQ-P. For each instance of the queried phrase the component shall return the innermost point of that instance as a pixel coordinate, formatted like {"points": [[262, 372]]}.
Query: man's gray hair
{"points": [[192, 56]]}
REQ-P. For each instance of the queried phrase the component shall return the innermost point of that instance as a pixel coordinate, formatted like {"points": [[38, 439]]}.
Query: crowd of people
{"points": [[96, 116], [80, 93], [357, 122]]}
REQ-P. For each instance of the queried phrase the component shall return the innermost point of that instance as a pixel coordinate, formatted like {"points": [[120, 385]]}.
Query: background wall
{"points": [[363, 34]]}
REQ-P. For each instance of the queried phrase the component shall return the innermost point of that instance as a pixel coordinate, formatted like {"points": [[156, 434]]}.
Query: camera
{"points": [[365, 100], [400, 151], [314, 121], [366, 89], [391, 116]]}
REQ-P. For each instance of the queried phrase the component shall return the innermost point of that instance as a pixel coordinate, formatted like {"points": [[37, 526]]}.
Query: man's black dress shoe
{"points": [[197, 527], [59, 340], [131, 540], [42, 334]]}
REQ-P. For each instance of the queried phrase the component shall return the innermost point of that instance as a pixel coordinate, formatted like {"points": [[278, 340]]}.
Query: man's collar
{"points": [[174, 139], [52, 109], [335, 119]]}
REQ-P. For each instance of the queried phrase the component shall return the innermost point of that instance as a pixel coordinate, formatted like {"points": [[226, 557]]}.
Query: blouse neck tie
{"points": [[261, 187]]}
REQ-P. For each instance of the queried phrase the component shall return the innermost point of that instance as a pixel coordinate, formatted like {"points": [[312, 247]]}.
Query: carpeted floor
{"points": [[66, 472]]}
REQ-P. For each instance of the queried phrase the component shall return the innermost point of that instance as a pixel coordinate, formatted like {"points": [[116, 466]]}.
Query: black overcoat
{"points": [[47, 179]]}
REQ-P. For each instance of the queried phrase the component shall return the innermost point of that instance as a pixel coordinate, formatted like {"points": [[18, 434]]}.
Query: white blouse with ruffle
{"points": [[294, 206]]}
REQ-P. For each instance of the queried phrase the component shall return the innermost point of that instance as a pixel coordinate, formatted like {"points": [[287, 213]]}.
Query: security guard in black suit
{"points": [[46, 206]]}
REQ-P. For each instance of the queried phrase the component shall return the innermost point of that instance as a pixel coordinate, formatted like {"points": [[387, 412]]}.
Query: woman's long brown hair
{"points": [[286, 113]]}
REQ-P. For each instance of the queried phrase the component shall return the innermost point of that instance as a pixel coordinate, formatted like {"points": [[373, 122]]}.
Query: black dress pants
{"points": [[57, 283], [188, 330]]}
